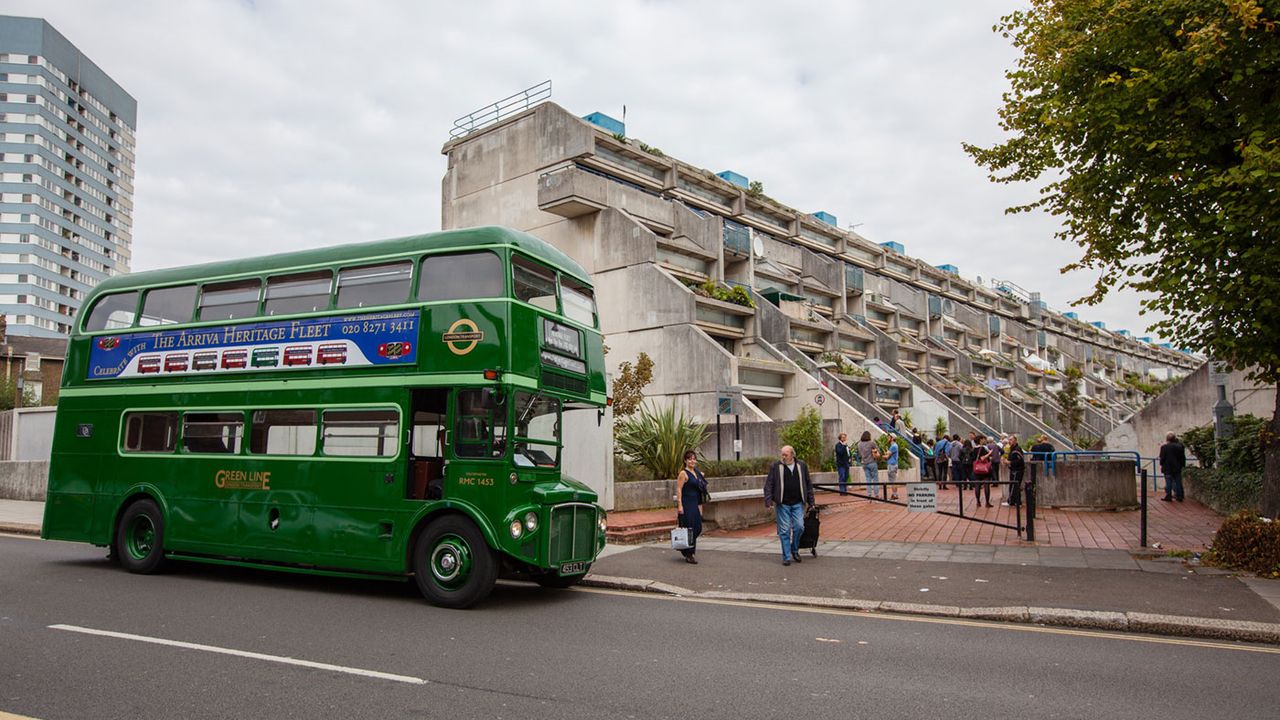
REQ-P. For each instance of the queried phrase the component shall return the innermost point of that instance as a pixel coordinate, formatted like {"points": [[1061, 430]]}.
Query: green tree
{"points": [[628, 387], [1153, 132], [1071, 411], [804, 435]]}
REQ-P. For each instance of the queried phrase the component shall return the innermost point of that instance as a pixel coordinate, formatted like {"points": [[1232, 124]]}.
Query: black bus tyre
{"points": [[139, 542], [452, 564], [557, 582]]}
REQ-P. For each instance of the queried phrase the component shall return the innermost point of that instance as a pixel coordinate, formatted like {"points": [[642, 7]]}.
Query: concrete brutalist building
{"points": [[863, 326]]}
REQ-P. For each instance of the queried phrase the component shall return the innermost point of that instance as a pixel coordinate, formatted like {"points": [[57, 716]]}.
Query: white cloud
{"points": [[278, 125]]}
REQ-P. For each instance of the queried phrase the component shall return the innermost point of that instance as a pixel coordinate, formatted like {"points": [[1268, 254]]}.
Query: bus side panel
{"points": [[79, 468]]}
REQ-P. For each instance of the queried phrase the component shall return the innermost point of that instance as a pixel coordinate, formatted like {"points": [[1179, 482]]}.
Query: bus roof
{"points": [[468, 238]]}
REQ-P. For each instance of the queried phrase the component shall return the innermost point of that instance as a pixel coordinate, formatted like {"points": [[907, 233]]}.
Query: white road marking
{"points": [[242, 653]]}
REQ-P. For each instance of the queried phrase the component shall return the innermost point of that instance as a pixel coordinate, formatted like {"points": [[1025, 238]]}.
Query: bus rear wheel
{"points": [[452, 564], [139, 545]]}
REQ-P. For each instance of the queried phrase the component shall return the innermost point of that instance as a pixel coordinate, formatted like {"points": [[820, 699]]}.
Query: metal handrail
{"points": [[506, 107]]}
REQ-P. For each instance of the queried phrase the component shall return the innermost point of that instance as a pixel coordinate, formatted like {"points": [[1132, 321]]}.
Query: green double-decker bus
{"points": [[381, 409]]}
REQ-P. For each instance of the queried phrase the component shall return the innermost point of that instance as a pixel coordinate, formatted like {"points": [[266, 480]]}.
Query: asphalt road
{"points": [[531, 653]]}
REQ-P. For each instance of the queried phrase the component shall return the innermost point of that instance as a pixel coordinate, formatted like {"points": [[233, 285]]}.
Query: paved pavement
{"points": [[1188, 525], [1082, 588], [21, 516]]}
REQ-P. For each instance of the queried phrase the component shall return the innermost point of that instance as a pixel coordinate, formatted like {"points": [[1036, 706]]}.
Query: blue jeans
{"points": [[790, 519], [842, 475], [872, 471]]}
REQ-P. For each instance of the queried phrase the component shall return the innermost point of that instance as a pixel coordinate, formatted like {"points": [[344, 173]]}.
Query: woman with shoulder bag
{"points": [[982, 472], [691, 493]]}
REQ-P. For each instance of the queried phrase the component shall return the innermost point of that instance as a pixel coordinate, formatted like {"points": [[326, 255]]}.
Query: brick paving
{"points": [[1182, 526]]}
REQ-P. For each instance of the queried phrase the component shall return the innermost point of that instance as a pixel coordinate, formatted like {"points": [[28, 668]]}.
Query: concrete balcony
{"points": [[572, 192]]}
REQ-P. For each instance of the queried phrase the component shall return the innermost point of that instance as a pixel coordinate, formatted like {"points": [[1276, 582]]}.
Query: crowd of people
{"points": [[973, 463]]}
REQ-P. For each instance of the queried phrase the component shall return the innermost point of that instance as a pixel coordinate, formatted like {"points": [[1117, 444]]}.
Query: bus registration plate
{"points": [[574, 568]]}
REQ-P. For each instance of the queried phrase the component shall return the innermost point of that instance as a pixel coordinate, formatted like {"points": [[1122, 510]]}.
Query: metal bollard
{"points": [[1031, 505], [1143, 486]]}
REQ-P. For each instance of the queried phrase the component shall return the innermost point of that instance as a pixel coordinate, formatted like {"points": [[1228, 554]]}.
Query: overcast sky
{"points": [[276, 125]]}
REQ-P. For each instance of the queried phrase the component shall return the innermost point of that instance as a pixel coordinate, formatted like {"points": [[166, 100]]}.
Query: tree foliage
{"points": [[1071, 411], [658, 438], [1153, 130], [628, 387], [804, 435]]}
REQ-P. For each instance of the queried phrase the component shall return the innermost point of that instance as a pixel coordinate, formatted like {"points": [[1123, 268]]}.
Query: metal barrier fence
{"points": [[506, 107]]}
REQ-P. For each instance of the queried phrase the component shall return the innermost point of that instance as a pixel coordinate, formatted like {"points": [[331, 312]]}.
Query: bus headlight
{"points": [[603, 522], [517, 529], [531, 521]]}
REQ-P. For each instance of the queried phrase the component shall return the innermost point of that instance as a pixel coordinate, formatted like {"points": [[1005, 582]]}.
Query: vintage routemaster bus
{"points": [[383, 409]]}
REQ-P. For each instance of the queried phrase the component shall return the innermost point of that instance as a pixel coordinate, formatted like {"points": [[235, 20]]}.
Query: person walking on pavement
{"points": [[691, 493], [869, 453], [788, 487], [891, 465], [1017, 467], [996, 449], [955, 458], [842, 462], [941, 451], [1173, 458], [1042, 453], [981, 470]]}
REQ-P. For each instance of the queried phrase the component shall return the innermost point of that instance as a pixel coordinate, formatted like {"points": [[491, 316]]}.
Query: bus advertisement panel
{"points": [[348, 340]]}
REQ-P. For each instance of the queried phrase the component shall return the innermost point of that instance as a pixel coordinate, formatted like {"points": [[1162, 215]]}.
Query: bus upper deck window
{"points": [[372, 285], [112, 312], [229, 300], [456, 277], [299, 293], [166, 306], [534, 284], [578, 300]]}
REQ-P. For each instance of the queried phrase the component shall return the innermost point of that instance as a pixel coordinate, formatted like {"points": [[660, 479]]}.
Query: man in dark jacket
{"points": [[1173, 458], [789, 488], [843, 462]]}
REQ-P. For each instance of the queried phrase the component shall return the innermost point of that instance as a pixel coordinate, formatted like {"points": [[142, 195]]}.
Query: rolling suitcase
{"points": [[809, 538]]}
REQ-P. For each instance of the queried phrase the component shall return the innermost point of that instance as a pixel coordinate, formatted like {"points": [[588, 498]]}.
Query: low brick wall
{"points": [[1089, 485], [23, 479]]}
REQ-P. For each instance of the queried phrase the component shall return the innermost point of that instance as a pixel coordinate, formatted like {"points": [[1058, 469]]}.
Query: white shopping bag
{"points": [[680, 538]]}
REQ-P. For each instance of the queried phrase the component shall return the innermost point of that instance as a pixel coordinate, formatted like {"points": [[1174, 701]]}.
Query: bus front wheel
{"points": [[452, 564], [139, 546]]}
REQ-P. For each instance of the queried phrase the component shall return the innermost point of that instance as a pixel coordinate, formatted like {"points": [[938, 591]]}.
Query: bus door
{"points": [[476, 446], [359, 497], [276, 505], [429, 412]]}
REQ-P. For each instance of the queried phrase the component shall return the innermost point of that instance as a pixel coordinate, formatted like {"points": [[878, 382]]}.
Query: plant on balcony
{"points": [[650, 149], [709, 288], [620, 138], [843, 366], [755, 188]]}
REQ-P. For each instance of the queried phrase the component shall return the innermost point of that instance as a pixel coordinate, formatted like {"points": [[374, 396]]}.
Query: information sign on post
{"points": [[922, 497]]}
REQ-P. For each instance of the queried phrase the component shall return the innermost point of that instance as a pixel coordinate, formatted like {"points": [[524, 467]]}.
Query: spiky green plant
{"points": [[657, 439]]}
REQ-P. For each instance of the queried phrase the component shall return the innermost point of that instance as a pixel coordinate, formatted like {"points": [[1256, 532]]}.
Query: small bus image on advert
{"points": [[297, 355], [332, 354], [204, 361], [148, 364], [235, 359], [177, 362], [395, 349], [266, 357]]}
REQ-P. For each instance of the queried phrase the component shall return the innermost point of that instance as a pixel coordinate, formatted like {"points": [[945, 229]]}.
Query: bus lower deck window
{"points": [[150, 431]]}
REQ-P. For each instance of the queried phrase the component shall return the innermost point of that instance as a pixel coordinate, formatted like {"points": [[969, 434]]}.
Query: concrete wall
{"points": [[23, 480], [1089, 484], [588, 451], [1187, 405], [32, 437]]}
